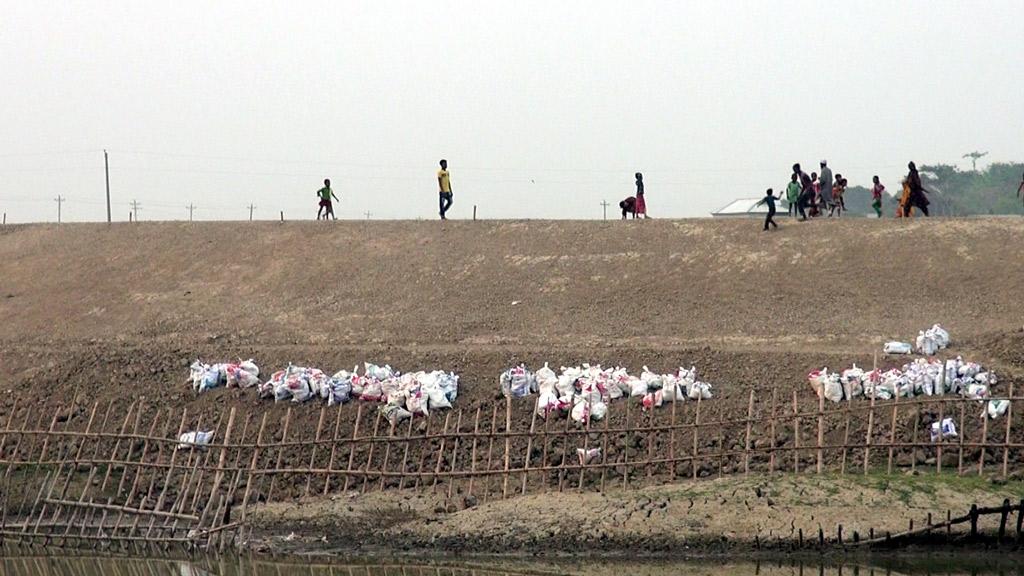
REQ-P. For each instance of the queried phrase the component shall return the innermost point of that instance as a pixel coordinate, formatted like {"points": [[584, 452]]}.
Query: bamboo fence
{"points": [[96, 475]]}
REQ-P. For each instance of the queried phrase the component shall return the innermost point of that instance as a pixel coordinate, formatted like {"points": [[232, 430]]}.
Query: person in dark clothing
{"points": [[641, 203], [628, 207], [917, 193], [806, 191], [769, 199]]}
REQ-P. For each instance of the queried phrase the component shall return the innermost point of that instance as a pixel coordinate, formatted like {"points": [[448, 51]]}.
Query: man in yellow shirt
{"points": [[444, 184]]}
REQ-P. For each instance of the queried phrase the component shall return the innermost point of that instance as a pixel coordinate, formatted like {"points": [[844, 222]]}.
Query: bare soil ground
{"points": [[99, 313]]}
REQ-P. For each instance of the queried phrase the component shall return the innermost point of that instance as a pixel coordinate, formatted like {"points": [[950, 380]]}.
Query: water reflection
{"points": [[24, 565]]}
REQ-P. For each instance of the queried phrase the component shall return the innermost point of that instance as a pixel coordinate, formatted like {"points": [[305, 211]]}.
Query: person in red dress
{"points": [[641, 204]]}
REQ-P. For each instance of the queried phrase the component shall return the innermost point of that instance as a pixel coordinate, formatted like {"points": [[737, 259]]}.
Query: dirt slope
{"points": [[120, 311]]}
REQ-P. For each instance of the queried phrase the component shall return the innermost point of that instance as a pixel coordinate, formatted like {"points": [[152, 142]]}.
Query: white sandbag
{"points": [[653, 399], [380, 373], [996, 408], [638, 388], [198, 438], [598, 410], [546, 378], [416, 402], [547, 403], [395, 414], [833, 389], [587, 457], [580, 411], [250, 367], [897, 348], [701, 390], [436, 399], [518, 382], [940, 335], [339, 388], [948, 429]]}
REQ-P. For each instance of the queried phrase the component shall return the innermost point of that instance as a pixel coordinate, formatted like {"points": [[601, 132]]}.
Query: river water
{"points": [[42, 565]]}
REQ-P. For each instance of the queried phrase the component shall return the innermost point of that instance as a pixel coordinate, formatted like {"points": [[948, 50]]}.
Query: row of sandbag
{"points": [[413, 393], [585, 391], [928, 342], [921, 377]]}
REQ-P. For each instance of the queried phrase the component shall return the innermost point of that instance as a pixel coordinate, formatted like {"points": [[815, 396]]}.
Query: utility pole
{"points": [[135, 209], [974, 158], [59, 200], [251, 208], [190, 208], [106, 168], [604, 208], [368, 214]]}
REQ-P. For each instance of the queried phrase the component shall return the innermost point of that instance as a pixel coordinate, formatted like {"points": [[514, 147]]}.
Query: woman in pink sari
{"points": [[641, 204]]}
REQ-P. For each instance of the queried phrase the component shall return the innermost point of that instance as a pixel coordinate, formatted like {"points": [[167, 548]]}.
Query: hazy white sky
{"points": [[543, 109]]}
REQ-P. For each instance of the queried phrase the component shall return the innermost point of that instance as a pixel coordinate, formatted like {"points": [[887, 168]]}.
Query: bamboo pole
{"points": [[440, 452], [529, 450], [984, 440], [746, 450], [960, 441], [941, 440], [821, 430], [472, 454], [405, 455], [696, 425], [604, 451], [771, 456], [312, 455], [352, 448], [544, 452], [280, 452], [508, 444], [672, 433], [846, 437], [170, 470], [796, 435], [916, 425], [649, 441], [583, 459], [892, 431], [455, 456], [871, 428], [334, 451], [1006, 442], [387, 455], [369, 453], [252, 468], [565, 450]]}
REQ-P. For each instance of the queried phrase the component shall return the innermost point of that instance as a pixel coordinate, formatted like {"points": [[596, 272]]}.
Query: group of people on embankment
{"points": [[815, 194]]}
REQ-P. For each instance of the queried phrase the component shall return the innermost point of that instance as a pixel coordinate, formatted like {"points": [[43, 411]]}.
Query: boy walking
{"points": [[444, 184], [769, 199], [793, 195], [326, 208]]}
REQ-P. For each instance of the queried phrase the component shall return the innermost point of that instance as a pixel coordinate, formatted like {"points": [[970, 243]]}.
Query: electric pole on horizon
{"points": [[135, 209], [604, 208], [59, 200], [368, 214], [106, 170], [190, 208], [251, 208]]}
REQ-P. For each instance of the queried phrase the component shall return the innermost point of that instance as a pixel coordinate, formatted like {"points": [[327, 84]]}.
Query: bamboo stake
{"points": [[170, 472], [455, 455], [649, 441], [746, 449], [696, 424], [280, 451], [846, 438], [871, 427], [1006, 443], [544, 452], [440, 452], [423, 454], [334, 450], [917, 424], [529, 449], [352, 449], [984, 440], [312, 455], [892, 431], [252, 468], [941, 440], [490, 448], [963, 433], [586, 446], [796, 436], [508, 444], [405, 455], [672, 434], [821, 430], [565, 451], [369, 454], [472, 457], [604, 451], [771, 456], [387, 455]]}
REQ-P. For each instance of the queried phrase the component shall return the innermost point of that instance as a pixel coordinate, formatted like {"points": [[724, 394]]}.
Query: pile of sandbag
{"points": [[231, 374], [928, 342], [585, 391], [921, 377], [932, 340]]}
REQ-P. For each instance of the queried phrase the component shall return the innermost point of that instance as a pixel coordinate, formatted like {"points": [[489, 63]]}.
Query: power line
{"points": [[135, 209], [59, 200], [190, 208], [604, 208], [251, 208]]}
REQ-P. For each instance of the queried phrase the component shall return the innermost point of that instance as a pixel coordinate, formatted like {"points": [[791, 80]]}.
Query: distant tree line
{"points": [[952, 192]]}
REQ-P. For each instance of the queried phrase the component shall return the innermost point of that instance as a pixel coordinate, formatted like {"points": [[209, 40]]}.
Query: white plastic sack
{"points": [[588, 456], [997, 408], [198, 438], [948, 429], [897, 348]]}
